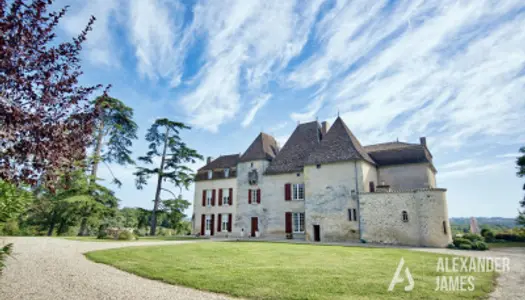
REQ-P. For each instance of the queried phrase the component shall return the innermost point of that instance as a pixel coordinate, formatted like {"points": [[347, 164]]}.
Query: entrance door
{"points": [[317, 233], [255, 225], [208, 225]]}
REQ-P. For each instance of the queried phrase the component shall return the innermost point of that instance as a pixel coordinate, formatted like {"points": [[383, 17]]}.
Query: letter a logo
{"points": [[398, 279]]}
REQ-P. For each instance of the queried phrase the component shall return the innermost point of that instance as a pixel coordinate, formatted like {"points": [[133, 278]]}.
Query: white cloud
{"points": [[257, 104], [463, 172], [511, 155], [457, 164]]}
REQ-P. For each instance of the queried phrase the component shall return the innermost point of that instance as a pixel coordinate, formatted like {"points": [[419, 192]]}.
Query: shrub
{"points": [[11, 228], [465, 246], [102, 234], [451, 246], [125, 236], [5, 251], [510, 237], [459, 241], [473, 237], [479, 245]]}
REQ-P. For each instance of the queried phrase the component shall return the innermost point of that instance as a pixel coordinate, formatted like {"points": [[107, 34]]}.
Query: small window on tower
{"points": [[405, 216], [445, 227], [210, 174], [226, 173]]}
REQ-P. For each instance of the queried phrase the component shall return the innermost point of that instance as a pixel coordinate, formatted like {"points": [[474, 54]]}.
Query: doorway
{"points": [[208, 225], [317, 233], [255, 225]]}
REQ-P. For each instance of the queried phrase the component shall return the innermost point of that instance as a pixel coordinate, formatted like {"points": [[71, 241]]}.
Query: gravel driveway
{"points": [[54, 268]]}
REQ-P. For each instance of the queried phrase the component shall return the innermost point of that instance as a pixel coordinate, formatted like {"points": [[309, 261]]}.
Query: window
{"points": [[445, 227], [254, 196], [251, 165], [226, 173], [210, 174], [208, 197], [208, 223], [319, 166], [224, 221], [298, 222], [225, 196], [371, 186], [298, 191], [352, 214], [405, 216]]}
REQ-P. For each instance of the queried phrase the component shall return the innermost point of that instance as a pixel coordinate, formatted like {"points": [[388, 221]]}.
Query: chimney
{"points": [[209, 159], [423, 141], [324, 127]]}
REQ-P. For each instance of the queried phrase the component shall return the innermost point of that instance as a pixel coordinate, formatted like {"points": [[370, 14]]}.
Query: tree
{"points": [[174, 209], [114, 123], [13, 200], [171, 167], [46, 119], [520, 162]]}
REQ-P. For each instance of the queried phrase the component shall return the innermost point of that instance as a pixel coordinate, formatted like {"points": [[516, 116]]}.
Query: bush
{"points": [[459, 241], [473, 237], [480, 246], [451, 246], [125, 236], [465, 246], [510, 237], [11, 228], [102, 234]]}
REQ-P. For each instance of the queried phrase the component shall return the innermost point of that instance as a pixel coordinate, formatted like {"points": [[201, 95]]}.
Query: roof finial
{"points": [[338, 113], [397, 139]]}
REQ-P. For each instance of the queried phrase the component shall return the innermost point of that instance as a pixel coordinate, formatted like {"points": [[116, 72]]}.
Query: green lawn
{"points": [[141, 239], [506, 244], [289, 271]]}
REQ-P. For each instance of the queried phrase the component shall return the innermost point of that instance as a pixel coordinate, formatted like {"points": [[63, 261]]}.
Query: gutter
{"points": [[357, 195]]}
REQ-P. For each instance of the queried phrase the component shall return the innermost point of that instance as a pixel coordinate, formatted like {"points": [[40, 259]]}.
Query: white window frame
{"points": [[207, 224], [254, 196], [296, 222], [209, 195], [226, 197], [226, 172], [298, 191], [210, 174], [224, 222]]}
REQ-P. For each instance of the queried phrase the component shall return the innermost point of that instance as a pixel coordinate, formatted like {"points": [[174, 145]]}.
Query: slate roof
{"points": [[292, 157], [263, 147], [339, 144], [221, 162], [397, 153]]}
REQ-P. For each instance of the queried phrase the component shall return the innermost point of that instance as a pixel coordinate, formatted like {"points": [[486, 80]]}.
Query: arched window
{"points": [[405, 216], [445, 227]]}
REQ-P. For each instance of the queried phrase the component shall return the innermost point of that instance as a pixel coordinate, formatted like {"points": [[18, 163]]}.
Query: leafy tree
{"points": [[114, 123], [130, 217], [174, 210], [171, 167], [13, 200], [46, 121], [520, 162]]}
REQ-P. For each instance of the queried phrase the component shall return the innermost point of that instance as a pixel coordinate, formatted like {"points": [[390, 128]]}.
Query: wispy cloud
{"points": [[256, 105], [462, 172], [457, 164], [512, 155]]}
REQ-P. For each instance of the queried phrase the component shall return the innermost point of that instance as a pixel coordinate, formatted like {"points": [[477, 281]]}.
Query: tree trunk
{"points": [[98, 149], [159, 188], [83, 227], [52, 223]]}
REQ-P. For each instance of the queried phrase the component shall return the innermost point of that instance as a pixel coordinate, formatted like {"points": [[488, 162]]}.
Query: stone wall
{"points": [[382, 220], [199, 210], [330, 192], [404, 177]]}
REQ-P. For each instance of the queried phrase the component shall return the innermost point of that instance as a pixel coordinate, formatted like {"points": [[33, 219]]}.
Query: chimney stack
{"points": [[324, 127], [209, 159], [423, 141]]}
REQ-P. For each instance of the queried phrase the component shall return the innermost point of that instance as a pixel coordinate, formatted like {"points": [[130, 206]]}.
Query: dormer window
{"points": [[226, 173], [210, 174]]}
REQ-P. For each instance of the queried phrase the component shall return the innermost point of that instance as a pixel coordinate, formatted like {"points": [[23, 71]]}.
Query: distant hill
{"points": [[506, 222]]}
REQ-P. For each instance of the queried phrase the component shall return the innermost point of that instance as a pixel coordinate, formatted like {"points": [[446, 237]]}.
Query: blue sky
{"points": [[453, 71]]}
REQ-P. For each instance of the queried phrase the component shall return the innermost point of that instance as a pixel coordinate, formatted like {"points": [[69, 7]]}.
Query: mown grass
{"points": [[289, 271]]}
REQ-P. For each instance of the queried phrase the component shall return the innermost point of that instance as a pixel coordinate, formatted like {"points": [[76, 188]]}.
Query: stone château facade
{"points": [[324, 186]]}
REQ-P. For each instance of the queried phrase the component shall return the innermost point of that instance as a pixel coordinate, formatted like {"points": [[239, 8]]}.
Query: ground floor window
{"points": [[224, 225], [298, 222], [208, 223]]}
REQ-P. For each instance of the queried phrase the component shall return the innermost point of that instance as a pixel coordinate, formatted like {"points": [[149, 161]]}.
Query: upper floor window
{"points": [[298, 191], [225, 196], [226, 172], [208, 197], [210, 174], [404, 214]]}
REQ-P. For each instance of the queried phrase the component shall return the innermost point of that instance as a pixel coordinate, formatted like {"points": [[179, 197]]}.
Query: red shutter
{"points": [[220, 197], [219, 217], [230, 223], [288, 192], [213, 198], [259, 196], [249, 196], [288, 222], [204, 198], [231, 196], [212, 224], [203, 224]]}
